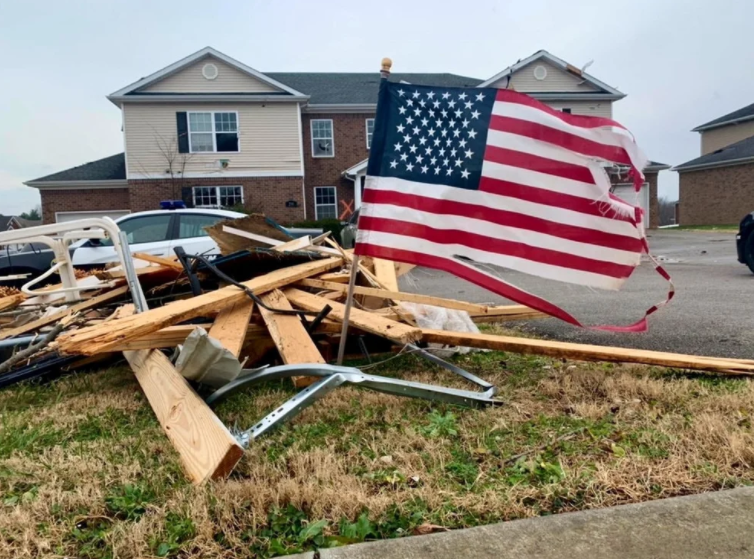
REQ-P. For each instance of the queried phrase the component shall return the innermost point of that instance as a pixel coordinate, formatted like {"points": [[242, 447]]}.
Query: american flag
{"points": [[496, 177]]}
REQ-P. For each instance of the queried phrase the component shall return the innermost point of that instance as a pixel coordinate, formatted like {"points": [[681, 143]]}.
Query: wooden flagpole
{"points": [[384, 74]]}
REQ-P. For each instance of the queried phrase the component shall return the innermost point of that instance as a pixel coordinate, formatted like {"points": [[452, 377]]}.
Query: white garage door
{"points": [[61, 217], [628, 193]]}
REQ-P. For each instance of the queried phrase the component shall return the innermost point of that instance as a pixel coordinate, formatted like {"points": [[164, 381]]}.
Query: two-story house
{"points": [[717, 187], [216, 133]]}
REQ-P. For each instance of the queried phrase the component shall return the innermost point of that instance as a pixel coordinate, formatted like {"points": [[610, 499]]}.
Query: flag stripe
{"points": [[493, 221], [529, 160], [513, 255]]}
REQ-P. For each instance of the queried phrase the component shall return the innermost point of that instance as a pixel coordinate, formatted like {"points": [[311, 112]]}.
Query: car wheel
{"points": [[749, 251]]}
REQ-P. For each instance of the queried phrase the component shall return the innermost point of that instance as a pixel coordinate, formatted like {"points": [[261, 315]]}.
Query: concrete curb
{"points": [[719, 525]]}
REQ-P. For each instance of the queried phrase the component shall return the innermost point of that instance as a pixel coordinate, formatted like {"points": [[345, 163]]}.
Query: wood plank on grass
{"points": [[84, 305], [369, 322], [585, 352], [97, 339], [231, 324], [205, 446]]}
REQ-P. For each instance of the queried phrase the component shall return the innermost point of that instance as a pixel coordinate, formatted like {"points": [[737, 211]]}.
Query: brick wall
{"points": [[654, 201], [267, 195], [349, 131], [721, 196], [82, 200]]}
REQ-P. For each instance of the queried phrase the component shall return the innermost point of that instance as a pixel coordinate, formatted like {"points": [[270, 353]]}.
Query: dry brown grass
{"points": [[85, 470]]}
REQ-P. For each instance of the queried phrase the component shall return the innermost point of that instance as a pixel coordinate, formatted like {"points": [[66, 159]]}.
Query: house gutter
{"points": [[117, 100], [702, 166], [76, 185], [341, 108]]}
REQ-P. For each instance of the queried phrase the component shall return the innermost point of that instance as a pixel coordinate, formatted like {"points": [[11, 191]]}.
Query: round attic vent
{"points": [[209, 71], [540, 72]]}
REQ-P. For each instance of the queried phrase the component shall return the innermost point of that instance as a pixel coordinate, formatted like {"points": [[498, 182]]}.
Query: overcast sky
{"points": [[681, 63]]}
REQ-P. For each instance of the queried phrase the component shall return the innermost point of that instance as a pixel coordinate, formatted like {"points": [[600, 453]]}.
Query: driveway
{"points": [[712, 312]]}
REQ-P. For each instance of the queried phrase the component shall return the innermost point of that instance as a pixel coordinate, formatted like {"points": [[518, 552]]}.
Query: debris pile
{"points": [[269, 307]]}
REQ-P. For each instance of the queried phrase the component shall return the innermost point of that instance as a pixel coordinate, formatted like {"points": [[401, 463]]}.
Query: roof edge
{"points": [[340, 108], [86, 185], [704, 127], [168, 98], [702, 166]]}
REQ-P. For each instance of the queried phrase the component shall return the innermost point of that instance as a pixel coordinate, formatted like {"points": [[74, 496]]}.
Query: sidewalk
{"points": [[719, 525]]}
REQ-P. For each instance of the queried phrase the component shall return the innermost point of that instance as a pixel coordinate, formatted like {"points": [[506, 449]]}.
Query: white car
{"points": [[156, 232]]}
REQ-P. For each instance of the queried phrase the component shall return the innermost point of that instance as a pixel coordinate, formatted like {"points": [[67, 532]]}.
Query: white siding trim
{"points": [[301, 155], [217, 175]]}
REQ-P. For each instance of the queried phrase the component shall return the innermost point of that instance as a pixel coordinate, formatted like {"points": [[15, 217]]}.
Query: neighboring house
{"points": [[12, 222], [717, 187], [214, 132]]}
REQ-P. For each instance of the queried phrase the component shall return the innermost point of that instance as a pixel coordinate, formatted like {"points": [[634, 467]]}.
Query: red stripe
{"points": [[494, 246], [597, 208], [560, 138], [488, 282], [508, 96], [540, 164], [503, 217]]}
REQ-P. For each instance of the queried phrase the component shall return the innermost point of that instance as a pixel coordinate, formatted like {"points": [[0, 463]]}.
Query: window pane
{"points": [[322, 129], [227, 142], [205, 196], [230, 196], [194, 225], [200, 122], [147, 229], [325, 202], [326, 212], [225, 122], [201, 142], [370, 131]]}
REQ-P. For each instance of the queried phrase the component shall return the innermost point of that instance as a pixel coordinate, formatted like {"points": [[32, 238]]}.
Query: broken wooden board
{"points": [[97, 339], [384, 271], [584, 352], [160, 260], [205, 446], [231, 324], [369, 322], [235, 240], [294, 245], [293, 342], [11, 301], [84, 305]]}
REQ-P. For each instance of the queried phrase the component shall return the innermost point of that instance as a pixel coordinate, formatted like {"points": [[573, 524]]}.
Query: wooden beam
{"points": [[369, 322], [584, 352], [335, 277], [84, 305], [205, 446], [231, 325], [168, 262], [91, 340], [252, 236], [295, 244], [293, 342], [384, 271], [11, 301]]}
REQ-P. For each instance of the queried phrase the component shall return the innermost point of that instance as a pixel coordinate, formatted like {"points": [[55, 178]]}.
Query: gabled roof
{"points": [[111, 168], [741, 115], [5, 221], [560, 63], [184, 62], [335, 88], [734, 154]]}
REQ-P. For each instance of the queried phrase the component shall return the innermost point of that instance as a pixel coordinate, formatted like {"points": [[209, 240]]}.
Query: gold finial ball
{"points": [[387, 64]]}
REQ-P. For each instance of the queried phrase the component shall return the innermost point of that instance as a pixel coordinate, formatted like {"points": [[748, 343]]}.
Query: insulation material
{"points": [[203, 359], [439, 318]]}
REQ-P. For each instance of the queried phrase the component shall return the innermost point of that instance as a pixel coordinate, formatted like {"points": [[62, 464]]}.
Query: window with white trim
{"points": [[323, 144], [213, 132], [217, 196], [325, 202], [370, 132]]}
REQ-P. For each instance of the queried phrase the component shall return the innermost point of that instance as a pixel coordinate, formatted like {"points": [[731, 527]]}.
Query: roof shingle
{"points": [[740, 150], [106, 169], [744, 113]]}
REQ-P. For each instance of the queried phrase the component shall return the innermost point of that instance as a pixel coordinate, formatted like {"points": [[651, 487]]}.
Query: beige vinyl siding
{"points": [[268, 139], [717, 138], [557, 80], [588, 108], [228, 80]]}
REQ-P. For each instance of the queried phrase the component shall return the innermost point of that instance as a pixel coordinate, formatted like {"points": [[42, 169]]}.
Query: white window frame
{"points": [[214, 132], [332, 139], [217, 194], [369, 136], [316, 205]]}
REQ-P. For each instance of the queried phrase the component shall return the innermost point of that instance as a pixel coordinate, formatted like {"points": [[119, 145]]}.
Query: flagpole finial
{"points": [[386, 65]]}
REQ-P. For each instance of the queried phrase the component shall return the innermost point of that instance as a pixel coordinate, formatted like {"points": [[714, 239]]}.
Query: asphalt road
{"points": [[712, 312]]}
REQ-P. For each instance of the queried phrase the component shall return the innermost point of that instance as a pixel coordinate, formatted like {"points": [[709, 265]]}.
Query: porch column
{"points": [[357, 191]]}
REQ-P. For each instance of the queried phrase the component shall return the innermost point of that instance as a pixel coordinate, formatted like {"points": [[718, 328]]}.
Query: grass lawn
{"points": [[720, 228], [85, 470]]}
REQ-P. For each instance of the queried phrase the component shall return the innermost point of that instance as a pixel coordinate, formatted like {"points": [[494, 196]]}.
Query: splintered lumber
{"points": [[84, 305], [295, 244], [504, 312], [335, 277], [291, 338], [167, 262], [97, 339], [11, 301], [231, 324], [384, 271], [584, 352], [369, 322], [205, 446]]}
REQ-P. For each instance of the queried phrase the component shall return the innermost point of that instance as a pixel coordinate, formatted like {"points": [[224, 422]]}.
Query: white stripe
{"points": [[505, 233], [450, 251], [606, 136], [489, 200], [535, 179]]}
